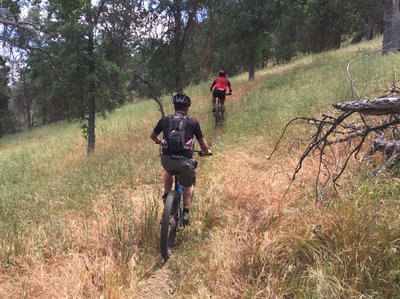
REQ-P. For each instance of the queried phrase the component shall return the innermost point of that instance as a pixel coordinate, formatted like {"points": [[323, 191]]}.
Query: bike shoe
{"points": [[185, 218]]}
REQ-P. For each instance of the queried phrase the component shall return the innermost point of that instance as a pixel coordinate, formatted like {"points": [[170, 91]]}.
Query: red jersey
{"points": [[221, 83]]}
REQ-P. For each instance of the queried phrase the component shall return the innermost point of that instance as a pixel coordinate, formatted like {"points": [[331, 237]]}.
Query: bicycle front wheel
{"points": [[169, 224]]}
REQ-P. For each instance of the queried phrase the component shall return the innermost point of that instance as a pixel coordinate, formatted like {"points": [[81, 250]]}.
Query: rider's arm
{"points": [[204, 147], [200, 138], [157, 130], [212, 85], [230, 87], [155, 137]]}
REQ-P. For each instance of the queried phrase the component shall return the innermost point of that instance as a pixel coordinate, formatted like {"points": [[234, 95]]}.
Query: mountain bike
{"points": [[219, 118], [171, 220]]}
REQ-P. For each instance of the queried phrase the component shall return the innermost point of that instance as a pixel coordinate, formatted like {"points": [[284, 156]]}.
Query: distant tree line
{"points": [[66, 60]]}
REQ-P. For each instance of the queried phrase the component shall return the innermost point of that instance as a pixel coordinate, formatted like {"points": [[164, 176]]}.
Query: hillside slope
{"points": [[77, 226]]}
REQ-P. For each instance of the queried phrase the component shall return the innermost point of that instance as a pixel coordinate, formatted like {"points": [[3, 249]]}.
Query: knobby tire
{"points": [[218, 114], [169, 224]]}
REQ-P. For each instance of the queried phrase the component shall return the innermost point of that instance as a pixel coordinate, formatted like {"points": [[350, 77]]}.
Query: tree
{"points": [[94, 27], [391, 20], [166, 54], [77, 56], [254, 21], [370, 11]]}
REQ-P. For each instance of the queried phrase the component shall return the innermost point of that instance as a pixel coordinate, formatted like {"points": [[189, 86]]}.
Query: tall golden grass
{"points": [[78, 226]]}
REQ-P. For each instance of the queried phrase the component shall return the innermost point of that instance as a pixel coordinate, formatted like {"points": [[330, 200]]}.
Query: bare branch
{"points": [[320, 140], [19, 24], [352, 85], [151, 87]]}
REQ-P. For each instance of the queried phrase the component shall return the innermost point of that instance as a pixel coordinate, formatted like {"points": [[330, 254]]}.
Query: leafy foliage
{"points": [[8, 122], [161, 46]]}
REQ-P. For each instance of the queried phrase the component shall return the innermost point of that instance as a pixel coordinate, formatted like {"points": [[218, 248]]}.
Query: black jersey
{"points": [[192, 128]]}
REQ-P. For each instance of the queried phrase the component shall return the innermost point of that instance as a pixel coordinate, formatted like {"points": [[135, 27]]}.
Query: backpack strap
{"points": [[182, 127], [183, 123]]}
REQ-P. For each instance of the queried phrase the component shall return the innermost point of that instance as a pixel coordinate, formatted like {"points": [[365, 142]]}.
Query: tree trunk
{"points": [[380, 106], [28, 116], [252, 61], [28, 103], [391, 20], [179, 64], [369, 34], [44, 113], [92, 87], [92, 96], [180, 67]]}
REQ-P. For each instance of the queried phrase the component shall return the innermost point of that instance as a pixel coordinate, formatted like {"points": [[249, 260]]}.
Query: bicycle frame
{"points": [[179, 189]]}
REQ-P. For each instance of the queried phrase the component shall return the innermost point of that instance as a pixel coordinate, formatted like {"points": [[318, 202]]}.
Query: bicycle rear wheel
{"points": [[218, 114], [169, 224]]}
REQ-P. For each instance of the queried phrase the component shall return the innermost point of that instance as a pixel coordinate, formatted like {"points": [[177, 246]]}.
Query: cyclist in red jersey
{"points": [[221, 83]]}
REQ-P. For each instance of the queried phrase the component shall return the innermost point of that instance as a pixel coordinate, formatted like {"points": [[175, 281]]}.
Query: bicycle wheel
{"points": [[217, 114], [169, 224]]}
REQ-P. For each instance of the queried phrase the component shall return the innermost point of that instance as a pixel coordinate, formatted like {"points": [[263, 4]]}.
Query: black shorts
{"points": [[185, 168], [219, 93]]}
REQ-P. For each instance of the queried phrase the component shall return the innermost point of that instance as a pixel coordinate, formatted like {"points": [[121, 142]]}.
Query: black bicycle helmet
{"points": [[221, 73], [181, 100]]}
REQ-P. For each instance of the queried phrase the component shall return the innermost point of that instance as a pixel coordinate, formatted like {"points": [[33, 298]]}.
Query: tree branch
{"points": [[151, 87]]}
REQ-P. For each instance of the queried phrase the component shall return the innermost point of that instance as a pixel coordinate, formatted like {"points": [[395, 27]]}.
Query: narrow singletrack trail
{"points": [[159, 284]]}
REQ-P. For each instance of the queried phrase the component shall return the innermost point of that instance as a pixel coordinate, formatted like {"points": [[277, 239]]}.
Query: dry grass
{"points": [[268, 248], [96, 232]]}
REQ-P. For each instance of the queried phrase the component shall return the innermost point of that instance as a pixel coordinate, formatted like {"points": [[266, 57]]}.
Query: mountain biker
{"points": [[221, 83], [182, 162]]}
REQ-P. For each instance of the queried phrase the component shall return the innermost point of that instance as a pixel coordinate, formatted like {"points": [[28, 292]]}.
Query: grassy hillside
{"points": [[78, 226]]}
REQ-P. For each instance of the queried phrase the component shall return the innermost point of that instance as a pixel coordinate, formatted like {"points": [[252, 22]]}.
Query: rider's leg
{"points": [[213, 102], [187, 196], [223, 106], [187, 200], [187, 180], [168, 180]]}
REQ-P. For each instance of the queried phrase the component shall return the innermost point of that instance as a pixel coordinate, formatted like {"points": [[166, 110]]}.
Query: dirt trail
{"points": [[158, 285]]}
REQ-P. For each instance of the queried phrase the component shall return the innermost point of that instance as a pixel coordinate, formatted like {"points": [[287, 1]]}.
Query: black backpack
{"points": [[176, 133]]}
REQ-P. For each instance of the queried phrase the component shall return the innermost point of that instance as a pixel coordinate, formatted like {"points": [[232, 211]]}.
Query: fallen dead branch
{"points": [[373, 121]]}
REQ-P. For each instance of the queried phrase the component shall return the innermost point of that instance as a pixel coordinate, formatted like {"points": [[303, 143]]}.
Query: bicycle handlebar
{"points": [[201, 153]]}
